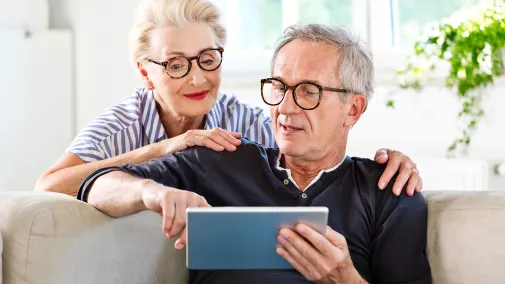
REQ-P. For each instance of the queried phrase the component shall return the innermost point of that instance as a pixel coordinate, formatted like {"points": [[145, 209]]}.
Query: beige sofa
{"points": [[52, 239]]}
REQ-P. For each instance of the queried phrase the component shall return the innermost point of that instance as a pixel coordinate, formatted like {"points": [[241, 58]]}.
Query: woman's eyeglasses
{"points": [[179, 66]]}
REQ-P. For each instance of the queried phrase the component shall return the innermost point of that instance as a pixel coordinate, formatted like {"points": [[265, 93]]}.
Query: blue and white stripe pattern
{"points": [[134, 122]]}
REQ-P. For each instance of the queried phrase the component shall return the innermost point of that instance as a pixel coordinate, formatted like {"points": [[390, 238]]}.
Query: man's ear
{"points": [[357, 106]]}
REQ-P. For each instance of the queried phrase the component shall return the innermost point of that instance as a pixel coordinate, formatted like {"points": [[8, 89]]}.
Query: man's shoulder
{"points": [[368, 165], [368, 173], [367, 170], [248, 152], [250, 146]]}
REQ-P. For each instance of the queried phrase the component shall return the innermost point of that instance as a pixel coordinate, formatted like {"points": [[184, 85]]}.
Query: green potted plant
{"points": [[472, 43]]}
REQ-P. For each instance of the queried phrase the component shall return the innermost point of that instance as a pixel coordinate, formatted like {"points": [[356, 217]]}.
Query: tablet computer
{"points": [[243, 237]]}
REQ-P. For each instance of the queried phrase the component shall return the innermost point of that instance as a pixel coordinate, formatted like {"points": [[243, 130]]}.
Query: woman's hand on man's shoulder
{"points": [[216, 139]]}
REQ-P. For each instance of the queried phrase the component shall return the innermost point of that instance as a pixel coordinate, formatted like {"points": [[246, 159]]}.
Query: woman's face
{"points": [[194, 94]]}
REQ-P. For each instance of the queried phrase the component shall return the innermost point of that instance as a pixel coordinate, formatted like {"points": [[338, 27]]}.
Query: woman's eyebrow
{"points": [[183, 54]]}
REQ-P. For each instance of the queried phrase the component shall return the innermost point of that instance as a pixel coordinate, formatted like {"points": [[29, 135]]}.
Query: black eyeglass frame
{"points": [[190, 59], [293, 88]]}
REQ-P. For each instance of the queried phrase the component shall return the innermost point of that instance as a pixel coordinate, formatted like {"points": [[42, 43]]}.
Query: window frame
{"points": [[377, 29]]}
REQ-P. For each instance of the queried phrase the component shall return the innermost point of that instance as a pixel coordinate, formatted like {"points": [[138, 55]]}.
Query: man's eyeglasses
{"points": [[179, 66], [306, 95]]}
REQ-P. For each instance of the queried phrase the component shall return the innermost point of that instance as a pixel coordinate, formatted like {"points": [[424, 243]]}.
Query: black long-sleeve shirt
{"points": [[386, 234]]}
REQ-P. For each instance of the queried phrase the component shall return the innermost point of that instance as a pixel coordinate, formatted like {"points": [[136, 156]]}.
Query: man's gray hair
{"points": [[355, 71]]}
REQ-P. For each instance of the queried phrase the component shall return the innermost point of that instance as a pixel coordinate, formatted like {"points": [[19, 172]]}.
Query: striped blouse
{"points": [[134, 122]]}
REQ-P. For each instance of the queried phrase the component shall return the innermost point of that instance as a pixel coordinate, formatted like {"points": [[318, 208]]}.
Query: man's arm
{"points": [[398, 250], [120, 191], [119, 194]]}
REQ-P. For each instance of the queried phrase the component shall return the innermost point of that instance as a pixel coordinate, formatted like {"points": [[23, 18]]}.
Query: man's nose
{"points": [[288, 104]]}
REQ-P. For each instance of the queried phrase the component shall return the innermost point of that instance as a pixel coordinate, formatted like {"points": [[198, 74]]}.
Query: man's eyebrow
{"points": [[315, 82], [278, 78], [299, 82]]}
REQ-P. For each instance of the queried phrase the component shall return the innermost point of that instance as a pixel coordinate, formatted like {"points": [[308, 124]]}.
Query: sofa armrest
{"points": [[52, 238]]}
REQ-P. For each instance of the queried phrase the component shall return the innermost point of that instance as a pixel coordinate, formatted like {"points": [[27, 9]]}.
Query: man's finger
{"points": [[315, 238], [180, 216], [298, 249], [181, 241], [202, 202], [335, 238], [326, 245], [168, 213], [300, 268]]}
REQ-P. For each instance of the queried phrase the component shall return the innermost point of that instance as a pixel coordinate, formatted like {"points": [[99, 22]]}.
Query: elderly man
{"points": [[322, 79]]}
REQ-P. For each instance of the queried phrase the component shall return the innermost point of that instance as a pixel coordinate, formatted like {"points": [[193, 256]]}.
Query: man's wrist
{"points": [[348, 275], [148, 191]]}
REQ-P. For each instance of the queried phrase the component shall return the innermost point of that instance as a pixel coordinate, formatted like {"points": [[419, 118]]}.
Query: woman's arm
{"points": [[67, 174]]}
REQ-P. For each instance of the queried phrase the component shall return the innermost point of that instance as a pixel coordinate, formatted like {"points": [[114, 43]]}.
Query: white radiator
{"points": [[453, 174]]}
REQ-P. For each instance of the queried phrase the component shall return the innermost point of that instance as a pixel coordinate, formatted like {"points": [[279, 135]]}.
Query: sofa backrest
{"points": [[466, 236], [52, 238]]}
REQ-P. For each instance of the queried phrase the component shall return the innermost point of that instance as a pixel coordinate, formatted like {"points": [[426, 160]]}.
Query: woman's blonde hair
{"points": [[152, 14]]}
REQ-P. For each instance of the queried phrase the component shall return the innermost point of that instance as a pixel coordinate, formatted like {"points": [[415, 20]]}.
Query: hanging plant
{"points": [[472, 42]]}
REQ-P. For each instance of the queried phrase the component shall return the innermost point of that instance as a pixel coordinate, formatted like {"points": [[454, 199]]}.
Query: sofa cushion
{"points": [[53, 238], [466, 236]]}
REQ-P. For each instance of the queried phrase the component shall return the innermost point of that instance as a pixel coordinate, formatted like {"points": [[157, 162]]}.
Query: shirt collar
{"points": [[153, 128], [314, 180], [215, 114]]}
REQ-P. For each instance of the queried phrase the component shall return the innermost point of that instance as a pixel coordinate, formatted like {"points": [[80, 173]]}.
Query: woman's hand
{"points": [[216, 139], [399, 163]]}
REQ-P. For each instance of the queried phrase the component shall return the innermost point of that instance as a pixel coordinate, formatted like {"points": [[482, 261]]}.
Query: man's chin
{"points": [[290, 148]]}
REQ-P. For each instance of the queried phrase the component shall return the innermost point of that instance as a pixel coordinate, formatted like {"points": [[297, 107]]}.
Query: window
{"points": [[257, 24], [410, 16], [389, 26]]}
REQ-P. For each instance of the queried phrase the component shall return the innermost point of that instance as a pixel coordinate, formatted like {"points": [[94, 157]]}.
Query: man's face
{"points": [[310, 135]]}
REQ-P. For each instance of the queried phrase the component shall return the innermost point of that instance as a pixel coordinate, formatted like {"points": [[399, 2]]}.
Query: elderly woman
{"points": [[177, 47]]}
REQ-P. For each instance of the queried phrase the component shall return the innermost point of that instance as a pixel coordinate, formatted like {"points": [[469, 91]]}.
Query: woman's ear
{"points": [[145, 76], [357, 106]]}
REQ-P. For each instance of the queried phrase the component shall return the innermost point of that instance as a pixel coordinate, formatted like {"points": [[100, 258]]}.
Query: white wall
{"points": [[422, 125], [36, 98], [35, 104], [103, 70]]}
